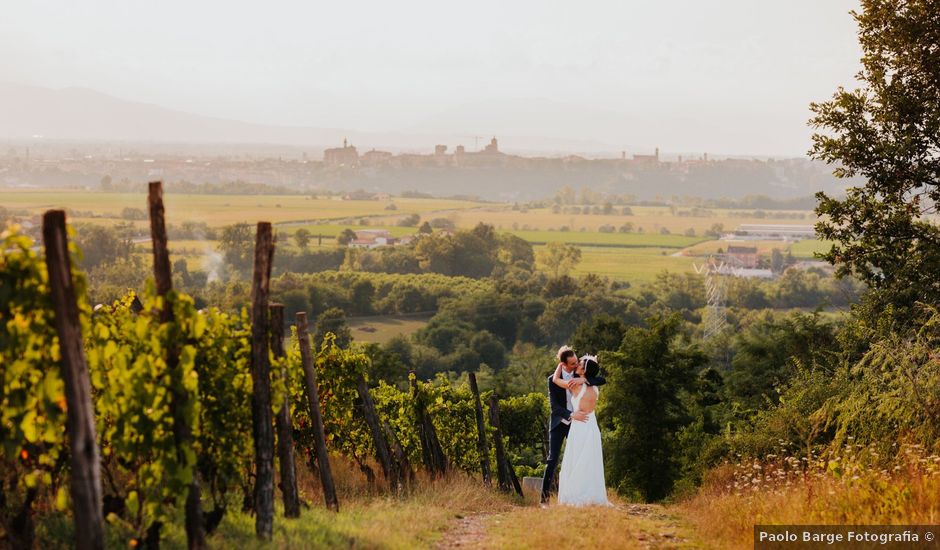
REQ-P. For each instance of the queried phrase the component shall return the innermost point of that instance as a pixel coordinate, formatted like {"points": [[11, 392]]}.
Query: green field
{"points": [[332, 230], [381, 329], [218, 210], [651, 218], [625, 240], [633, 257], [805, 249], [633, 265]]}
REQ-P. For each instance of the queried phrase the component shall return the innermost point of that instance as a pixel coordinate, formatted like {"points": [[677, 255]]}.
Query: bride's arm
{"points": [[557, 379]]}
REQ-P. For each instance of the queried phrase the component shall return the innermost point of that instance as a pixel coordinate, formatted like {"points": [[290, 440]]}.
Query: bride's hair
{"points": [[591, 367]]}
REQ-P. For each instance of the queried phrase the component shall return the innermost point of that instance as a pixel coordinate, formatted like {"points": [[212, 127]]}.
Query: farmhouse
{"points": [[371, 238]]}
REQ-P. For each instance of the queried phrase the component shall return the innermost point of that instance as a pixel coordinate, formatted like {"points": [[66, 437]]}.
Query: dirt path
{"points": [[636, 526], [467, 532]]}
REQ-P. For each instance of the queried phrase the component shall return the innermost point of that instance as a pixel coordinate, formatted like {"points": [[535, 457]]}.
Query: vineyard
{"points": [[149, 414]]}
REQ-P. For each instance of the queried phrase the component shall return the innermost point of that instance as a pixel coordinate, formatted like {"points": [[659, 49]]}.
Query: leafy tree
{"points": [[444, 333], [236, 243], [603, 333], [332, 321], [130, 213], [443, 223], [361, 295], [559, 258], [302, 238], [643, 410], [767, 352], [888, 134], [411, 220], [425, 229], [515, 251], [346, 237], [104, 245]]}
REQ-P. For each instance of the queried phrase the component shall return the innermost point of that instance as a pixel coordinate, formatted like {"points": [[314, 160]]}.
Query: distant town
{"points": [[486, 173]]}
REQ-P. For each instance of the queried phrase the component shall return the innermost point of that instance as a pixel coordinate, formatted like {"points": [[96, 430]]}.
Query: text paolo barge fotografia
{"points": [[834, 538]]}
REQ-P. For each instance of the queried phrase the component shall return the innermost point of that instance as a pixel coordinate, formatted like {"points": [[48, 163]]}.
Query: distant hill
{"points": [[83, 114]]}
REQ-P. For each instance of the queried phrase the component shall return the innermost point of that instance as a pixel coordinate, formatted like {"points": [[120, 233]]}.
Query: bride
{"points": [[581, 482]]}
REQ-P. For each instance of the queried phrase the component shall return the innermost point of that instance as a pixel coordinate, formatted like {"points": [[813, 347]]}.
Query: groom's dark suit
{"points": [[558, 426]]}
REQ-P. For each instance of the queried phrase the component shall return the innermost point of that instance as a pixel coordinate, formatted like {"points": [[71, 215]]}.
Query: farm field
{"points": [[803, 249], [806, 249], [218, 210], [651, 219], [633, 257], [626, 240], [330, 231], [633, 265], [381, 329]]}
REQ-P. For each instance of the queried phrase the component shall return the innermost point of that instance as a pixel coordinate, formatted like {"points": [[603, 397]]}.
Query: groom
{"points": [[562, 413]]}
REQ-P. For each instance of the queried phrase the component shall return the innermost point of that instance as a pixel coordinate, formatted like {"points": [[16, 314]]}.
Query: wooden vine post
{"points": [[285, 429], [382, 449], [182, 431], [431, 452], [482, 447], [506, 475], [84, 457], [313, 398], [262, 421]]}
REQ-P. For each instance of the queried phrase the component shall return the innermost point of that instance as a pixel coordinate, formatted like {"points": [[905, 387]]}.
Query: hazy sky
{"points": [[728, 76]]}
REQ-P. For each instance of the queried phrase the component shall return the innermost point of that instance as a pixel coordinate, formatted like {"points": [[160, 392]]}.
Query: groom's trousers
{"points": [[555, 438]]}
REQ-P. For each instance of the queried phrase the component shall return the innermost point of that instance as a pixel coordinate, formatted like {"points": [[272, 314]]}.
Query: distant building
{"points": [[651, 159], [742, 256], [372, 238], [373, 157], [769, 232], [492, 148], [360, 195], [341, 156]]}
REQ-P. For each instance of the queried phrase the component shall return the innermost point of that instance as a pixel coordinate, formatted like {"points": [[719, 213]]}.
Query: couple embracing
{"points": [[572, 394]]}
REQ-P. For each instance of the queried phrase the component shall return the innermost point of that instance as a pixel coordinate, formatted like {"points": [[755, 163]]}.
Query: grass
{"points": [[848, 489], [651, 218], [625, 240], [634, 265], [381, 329], [367, 518], [219, 210], [623, 526], [806, 249], [331, 230]]}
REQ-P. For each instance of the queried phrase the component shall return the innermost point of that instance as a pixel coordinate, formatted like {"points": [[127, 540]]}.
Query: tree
{"points": [[643, 410], [302, 238], [236, 243], [776, 260], [411, 220], [129, 213], [559, 258], [888, 134], [603, 333], [443, 223], [332, 320], [425, 229], [346, 237], [768, 351], [104, 245]]}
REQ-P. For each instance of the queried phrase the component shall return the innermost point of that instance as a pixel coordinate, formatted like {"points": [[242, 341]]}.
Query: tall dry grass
{"points": [[850, 486], [369, 516]]}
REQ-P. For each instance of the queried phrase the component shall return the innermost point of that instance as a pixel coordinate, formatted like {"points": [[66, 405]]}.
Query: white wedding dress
{"points": [[581, 482]]}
